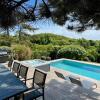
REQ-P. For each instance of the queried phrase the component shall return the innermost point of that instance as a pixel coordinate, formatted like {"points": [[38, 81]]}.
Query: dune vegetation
{"points": [[51, 46]]}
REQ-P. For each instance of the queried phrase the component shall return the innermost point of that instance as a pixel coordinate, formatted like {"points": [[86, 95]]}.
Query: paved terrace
{"points": [[58, 89]]}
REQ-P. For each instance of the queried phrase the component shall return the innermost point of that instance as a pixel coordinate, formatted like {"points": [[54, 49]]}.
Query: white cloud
{"points": [[50, 27]]}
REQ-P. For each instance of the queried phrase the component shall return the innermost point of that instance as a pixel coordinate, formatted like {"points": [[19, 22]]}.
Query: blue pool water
{"points": [[87, 70]]}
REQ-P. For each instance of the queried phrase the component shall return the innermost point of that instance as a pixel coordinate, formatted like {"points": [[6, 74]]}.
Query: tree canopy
{"points": [[81, 14]]}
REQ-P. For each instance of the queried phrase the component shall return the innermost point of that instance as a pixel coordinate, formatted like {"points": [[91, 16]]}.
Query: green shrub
{"points": [[53, 52], [92, 53], [21, 52], [5, 43], [91, 58], [98, 58], [45, 50], [26, 43], [38, 54], [72, 52], [41, 50]]}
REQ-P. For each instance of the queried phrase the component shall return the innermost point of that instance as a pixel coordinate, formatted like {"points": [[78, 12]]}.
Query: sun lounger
{"points": [[60, 75], [87, 84]]}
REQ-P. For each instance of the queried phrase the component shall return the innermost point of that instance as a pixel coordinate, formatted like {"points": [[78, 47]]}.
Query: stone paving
{"points": [[59, 89]]}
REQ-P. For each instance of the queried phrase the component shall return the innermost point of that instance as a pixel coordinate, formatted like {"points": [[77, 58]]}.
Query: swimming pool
{"points": [[33, 63], [88, 70]]}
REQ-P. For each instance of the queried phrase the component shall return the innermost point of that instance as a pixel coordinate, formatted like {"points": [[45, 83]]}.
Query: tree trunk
{"points": [[20, 33], [8, 31]]}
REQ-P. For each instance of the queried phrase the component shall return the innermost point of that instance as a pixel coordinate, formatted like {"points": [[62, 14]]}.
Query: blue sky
{"points": [[46, 26], [31, 2], [49, 27]]}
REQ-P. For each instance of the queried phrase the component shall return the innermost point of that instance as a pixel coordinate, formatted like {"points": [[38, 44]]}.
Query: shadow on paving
{"points": [[66, 91]]}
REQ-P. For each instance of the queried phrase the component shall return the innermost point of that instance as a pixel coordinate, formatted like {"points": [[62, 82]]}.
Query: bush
{"points": [[41, 50], [46, 58], [90, 58], [53, 52], [5, 43], [38, 54], [26, 43], [98, 58], [92, 53], [72, 52], [21, 52], [45, 50]]}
